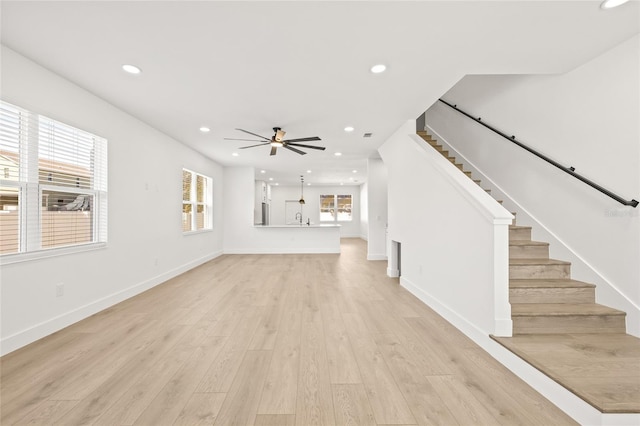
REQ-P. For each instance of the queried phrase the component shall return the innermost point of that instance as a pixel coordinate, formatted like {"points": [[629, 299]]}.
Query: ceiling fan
{"points": [[277, 140]]}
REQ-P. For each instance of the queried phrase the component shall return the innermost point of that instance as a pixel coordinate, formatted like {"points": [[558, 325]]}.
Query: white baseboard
{"points": [[364, 237], [444, 311], [393, 273], [376, 257], [572, 405], [22, 338]]}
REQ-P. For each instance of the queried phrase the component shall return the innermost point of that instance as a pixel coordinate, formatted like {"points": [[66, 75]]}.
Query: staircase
{"points": [[544, 299], [560, 330]]}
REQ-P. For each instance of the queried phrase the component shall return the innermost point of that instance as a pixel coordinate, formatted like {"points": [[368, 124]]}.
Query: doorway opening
{"points": [[395, 260]]}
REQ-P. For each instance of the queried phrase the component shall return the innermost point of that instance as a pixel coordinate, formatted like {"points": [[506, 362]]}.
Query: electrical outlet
{"points": [[59, 289]]}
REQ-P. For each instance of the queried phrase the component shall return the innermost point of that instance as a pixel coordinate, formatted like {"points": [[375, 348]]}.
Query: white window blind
{"points": [[196, 202], [54, 183]]}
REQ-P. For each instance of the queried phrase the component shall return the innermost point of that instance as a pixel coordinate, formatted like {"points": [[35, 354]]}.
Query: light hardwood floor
{"points": [[267, 340]]}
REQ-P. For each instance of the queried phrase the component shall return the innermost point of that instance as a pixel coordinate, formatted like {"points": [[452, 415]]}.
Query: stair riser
{"points": [[539, 271], [552, 295], [520, 234], [569, 324], [528, 252]]}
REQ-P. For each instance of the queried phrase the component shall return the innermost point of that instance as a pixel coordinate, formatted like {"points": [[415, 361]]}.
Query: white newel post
{"points": [[503, 326]]}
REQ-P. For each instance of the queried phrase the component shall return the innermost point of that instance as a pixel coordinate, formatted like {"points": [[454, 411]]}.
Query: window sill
{"points": [[8, 259], [199, 231]]}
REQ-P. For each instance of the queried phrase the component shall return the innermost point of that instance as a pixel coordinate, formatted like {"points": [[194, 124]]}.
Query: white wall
{"points": [[452, 256], [364, 211], [587, 118], [311, 208], [145, 241], [377, 208]]}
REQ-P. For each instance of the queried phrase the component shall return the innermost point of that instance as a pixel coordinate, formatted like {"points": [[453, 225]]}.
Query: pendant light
{"points": [[301, 190]]}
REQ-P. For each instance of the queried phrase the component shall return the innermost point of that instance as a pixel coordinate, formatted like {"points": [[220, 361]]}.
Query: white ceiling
{"points": [[303, 66]]}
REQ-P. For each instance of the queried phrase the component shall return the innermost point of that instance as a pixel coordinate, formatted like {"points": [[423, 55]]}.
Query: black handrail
{"points": [[569, 170]]}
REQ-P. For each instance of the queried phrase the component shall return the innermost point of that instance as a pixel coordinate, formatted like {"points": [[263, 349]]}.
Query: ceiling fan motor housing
{"points": [[279, 134]]}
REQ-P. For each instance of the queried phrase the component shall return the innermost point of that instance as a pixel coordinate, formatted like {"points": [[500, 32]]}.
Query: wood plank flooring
{"points": [[267, 340], [603, 370]]}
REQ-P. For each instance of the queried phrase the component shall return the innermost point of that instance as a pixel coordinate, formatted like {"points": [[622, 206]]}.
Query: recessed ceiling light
{"points": [[355, 171], [204, 129], [610, 4], [309, 184], [351, 179], [308, 171], [377, 69], [270, 178], [337, 154], [349, 129], [276, 184], [235, 154], [341, 183], [263, 171], [131, 69]]}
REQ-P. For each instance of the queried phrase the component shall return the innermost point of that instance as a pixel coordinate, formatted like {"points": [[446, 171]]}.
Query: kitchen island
{"points": [[313, 238]]}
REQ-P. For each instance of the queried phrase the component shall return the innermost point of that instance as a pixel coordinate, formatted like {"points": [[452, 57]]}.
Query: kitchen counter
{"points": [[314, 238], [304, 225]]}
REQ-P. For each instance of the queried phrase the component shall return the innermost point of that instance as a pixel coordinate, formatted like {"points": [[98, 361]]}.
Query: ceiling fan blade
{"points": [[273, 150], [251, 146], [294, 150], [246, 140], [312, 138], [246, 131], [306, 146]]}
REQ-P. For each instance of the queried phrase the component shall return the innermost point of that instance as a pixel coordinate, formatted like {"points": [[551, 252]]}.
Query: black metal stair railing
{"points": [[568, 170]]}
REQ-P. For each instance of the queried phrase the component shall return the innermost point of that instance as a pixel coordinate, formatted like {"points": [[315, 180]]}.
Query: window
{"points": [[335, 208], [53, 191], [196, 202]]}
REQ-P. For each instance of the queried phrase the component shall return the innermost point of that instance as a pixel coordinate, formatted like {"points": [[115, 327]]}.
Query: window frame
{"points": [[335, 208], [206, 203], [31, 189]]}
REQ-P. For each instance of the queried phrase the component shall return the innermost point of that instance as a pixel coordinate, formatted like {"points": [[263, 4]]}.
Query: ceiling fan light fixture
{"points": [[276, 143]]}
